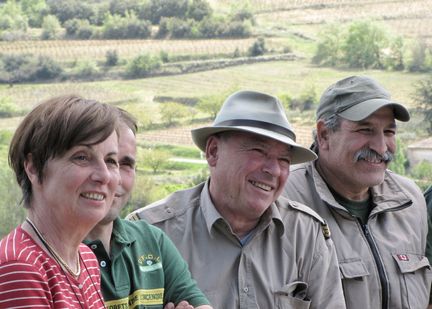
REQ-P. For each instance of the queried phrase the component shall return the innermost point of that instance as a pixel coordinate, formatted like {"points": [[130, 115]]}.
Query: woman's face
{"points": [[78, 186]]}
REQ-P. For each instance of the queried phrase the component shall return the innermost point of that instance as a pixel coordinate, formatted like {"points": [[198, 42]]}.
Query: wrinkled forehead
{"points": [[252, 139]]}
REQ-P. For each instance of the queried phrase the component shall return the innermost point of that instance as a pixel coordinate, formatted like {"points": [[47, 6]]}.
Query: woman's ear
{"points": [[30, 170]]}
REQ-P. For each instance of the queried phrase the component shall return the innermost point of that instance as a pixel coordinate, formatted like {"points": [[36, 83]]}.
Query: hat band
{"points": [[258, 124]]}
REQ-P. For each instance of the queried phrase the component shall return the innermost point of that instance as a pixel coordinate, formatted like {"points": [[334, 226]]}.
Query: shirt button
{"points": [[246, 289], [102, 263], [80, 286], [93, 246]]}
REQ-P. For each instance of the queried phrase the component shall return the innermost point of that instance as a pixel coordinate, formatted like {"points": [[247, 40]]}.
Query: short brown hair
{"points": [[52, 128], [129, 120]]}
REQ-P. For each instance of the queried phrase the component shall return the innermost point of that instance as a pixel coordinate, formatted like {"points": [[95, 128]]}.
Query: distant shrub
{"points": [[128, 27], [70, 9], [71, 26], [258, 48], [363, 44], [400, 161], [172, 112], [180, 28], [111, 58], [86, 69], [210, 104], [24, 67], [142, 65], [211, 27], [12, 17], [154, 159], [286, 101], [122, 7], [47, 68], [35, 10], [423, 97], [51, 28], [422, 171], [237, 29], [199, 9], [8, 109], [421, 57], [79, 28], [166, 8], [308, 98], [329, 49]]}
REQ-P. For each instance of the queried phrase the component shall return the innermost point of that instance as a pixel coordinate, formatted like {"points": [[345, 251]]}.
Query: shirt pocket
{"points": [[292, 296], [416, 276], [353, 270]]}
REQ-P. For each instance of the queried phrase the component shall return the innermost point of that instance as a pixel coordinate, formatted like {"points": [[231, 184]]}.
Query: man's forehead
{"points": [[260, 140]]}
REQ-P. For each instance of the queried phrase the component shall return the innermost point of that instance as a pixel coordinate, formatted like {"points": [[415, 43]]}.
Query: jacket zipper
{"points": [[381, 272]]}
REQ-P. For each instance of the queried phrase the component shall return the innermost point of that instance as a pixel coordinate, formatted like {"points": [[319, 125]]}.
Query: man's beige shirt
{"points": [[287, 263]]}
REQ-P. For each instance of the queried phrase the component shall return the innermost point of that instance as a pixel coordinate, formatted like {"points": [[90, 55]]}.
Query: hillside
{"points": [[285, 27]]}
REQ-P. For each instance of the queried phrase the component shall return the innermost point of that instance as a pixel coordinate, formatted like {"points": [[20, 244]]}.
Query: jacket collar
{"points": [[388, 195]]}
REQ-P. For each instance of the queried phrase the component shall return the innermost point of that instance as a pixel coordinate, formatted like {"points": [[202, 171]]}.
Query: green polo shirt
{"points": [[145, 270]]}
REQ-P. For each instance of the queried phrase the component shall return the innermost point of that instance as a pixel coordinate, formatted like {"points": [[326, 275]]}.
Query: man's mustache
{"points": [[371, 155]]}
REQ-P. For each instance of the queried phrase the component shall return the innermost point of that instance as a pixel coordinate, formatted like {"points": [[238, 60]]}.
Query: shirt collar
{"points": [[120, 234], [212, 215]]}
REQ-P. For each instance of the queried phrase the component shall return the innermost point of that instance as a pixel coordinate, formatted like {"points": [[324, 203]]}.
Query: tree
{"points": [[420, 57], [127, 27], [35, 10], [199, 9], [69, 9], [12, 17], [155, 159], [111, 58], [142, 65], [364, 44], [395, 57], [258, 48], [210, 104], [172, 112], [423, 97], [47, 68], [51, 28], [399, 163], [167, 8], [329, 49]]}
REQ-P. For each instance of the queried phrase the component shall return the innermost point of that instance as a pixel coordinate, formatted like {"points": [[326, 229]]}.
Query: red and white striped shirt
{"points": [[30, 278]]}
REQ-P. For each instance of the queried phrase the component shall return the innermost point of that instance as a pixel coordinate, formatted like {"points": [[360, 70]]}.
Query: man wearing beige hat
{"points": [[246, 246], [377, 218]]}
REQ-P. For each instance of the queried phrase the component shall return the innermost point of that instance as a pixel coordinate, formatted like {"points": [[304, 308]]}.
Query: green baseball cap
{"points": [[356, 98]]}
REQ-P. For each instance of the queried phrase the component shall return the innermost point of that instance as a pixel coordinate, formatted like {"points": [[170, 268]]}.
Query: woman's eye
{"points": [[112, 161], [80, 158]]}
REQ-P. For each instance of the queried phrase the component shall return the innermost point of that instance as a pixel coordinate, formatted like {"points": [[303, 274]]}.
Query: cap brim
{"points": [[299, 153], [365, 109]]}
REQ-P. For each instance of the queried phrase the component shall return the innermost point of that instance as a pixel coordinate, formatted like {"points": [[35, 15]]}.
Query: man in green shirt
{"points": [[140, 266]]}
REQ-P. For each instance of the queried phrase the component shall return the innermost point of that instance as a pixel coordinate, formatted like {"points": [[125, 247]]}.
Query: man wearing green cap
{"points": [[246, 246], [377, 218]]}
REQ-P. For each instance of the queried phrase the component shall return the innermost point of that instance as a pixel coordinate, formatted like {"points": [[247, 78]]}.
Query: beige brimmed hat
{"points": [[257, 113], [356, 98]]}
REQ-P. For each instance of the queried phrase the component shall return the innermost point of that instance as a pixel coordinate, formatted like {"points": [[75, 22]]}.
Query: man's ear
{"points": [[30, 170], [212, 150], [322, 133]]}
